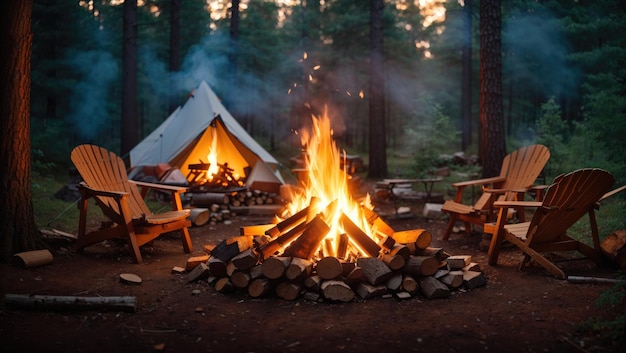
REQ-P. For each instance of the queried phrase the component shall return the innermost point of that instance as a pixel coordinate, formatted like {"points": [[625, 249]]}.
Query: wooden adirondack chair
{"points": [[567, 200], [106, 181], [519, 171]]}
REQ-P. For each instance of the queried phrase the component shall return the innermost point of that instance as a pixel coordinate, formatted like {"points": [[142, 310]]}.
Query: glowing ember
{"points": [[326, 188]]}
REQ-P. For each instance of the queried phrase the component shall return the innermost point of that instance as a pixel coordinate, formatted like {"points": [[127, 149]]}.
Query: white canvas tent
{"points": [[187, 135]]}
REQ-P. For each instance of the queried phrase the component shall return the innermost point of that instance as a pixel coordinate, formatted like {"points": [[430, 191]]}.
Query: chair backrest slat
{"points": [[520, 168], [569, 198], [104, 170]]}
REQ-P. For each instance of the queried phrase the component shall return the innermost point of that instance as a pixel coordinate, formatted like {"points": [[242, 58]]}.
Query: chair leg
{"points": [[186, 239], [133, 243], [468, 229], [547, 264], [451, 222]]}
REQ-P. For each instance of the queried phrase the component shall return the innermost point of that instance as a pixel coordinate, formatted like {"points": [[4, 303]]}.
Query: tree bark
{"points": [[18, 231], [233, 54], [493, 147], [466, 85], [377, 133], [128, 128], [174, 53]]}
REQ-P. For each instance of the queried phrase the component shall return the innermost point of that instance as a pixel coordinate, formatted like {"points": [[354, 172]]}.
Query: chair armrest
{"points": [[503, 191], [479, 181], [162, 187], [460, 186], [541, 187], [612, 192], [502, 204], [95, 192]]}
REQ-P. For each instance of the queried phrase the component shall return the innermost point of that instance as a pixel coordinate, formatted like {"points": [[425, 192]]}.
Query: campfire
{"points": [[326, 245], [213, 175]]}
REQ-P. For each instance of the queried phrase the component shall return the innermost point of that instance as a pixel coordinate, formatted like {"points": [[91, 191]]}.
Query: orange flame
{"points": [[326, 187], [212, 156]]}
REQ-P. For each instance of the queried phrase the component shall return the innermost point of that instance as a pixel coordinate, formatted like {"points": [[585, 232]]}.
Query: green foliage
{"points": [[553, 132], [593, 142], [50, 145], [429, 135], [52, 212]]}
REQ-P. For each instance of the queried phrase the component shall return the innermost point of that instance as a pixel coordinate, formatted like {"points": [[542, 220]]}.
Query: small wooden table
{"points": [[394, 183]]}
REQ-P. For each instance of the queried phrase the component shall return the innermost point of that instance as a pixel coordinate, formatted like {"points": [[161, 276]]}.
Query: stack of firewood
{"points": [[240, 198], [214, 207], [252, 198], [294, 258]]}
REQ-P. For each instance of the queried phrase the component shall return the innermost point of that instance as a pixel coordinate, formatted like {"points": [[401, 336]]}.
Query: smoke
{"points": [[88, 104], [203, 62], [538, 54]]}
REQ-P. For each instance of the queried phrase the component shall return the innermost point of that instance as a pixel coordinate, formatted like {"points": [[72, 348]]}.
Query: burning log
{"points": [[421, 238], [281, 227], [307, 244], [256, 230], [377, 223], [359, 237], [273, 246], [342, 246]]}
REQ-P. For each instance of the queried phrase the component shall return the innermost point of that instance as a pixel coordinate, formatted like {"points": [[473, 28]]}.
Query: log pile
{"points": [[294, 259], [216, 207]]}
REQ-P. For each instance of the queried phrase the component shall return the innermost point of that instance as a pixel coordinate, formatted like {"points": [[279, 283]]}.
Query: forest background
{"points": [[562, 78], [562, 72]]}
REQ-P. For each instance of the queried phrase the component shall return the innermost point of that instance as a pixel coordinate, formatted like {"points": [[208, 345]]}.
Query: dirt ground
{"points": [[517, 311]]}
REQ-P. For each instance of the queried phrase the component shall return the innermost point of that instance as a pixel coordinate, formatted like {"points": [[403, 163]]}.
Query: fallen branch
{"points": [[55, 302], [582, 279]]}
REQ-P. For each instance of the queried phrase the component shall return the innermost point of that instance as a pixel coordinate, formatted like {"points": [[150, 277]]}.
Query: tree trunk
{"points": [[18, 231], [128, 128], [377, 133], [174, 53], [493, 147], [466, 90], [233, 54]]}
